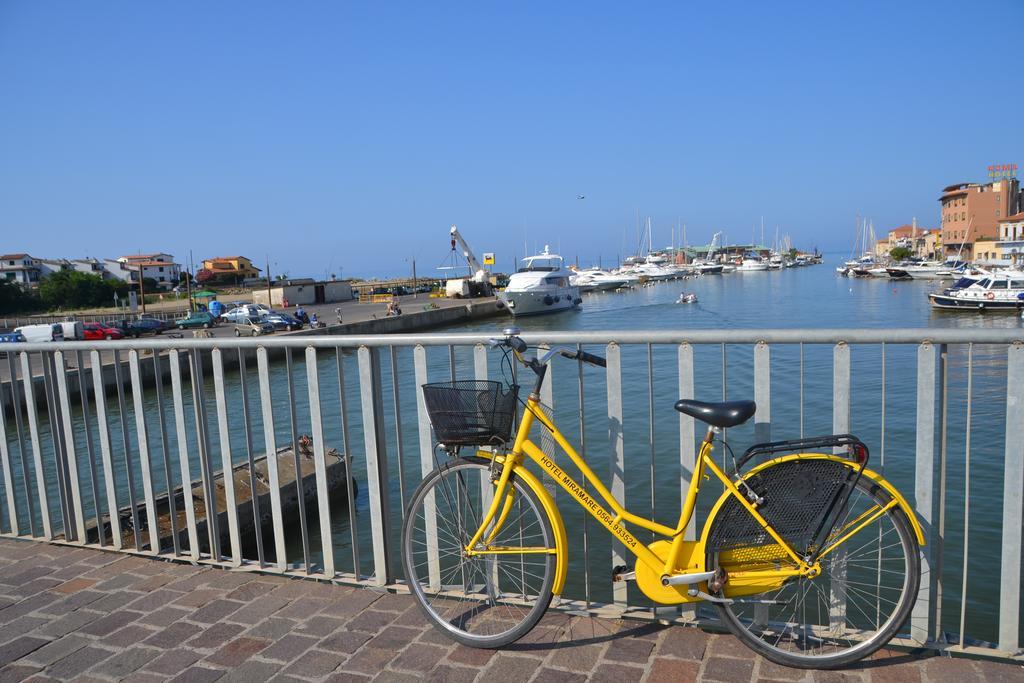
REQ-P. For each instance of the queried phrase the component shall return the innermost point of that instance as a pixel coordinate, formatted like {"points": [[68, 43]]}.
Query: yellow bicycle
{"points": [[812, 559]]}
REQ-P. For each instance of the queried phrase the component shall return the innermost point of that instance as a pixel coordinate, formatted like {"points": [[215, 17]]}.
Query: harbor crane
{"points": [[478, 284]]}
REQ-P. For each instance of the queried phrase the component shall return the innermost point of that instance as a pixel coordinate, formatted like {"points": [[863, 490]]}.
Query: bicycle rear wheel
{"points": [[861, 599], [487, 600]]}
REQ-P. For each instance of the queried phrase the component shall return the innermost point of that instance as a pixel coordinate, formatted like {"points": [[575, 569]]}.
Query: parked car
{"points": [[283, 321], [240, 314], [11, 338], [140, 327], [72, 329], [253, 327], [198, 319], [44, 332], [101, 331]]}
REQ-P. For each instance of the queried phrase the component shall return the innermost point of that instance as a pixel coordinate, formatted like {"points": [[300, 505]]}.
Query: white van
{"points": [[42, 333], [74, 330]]}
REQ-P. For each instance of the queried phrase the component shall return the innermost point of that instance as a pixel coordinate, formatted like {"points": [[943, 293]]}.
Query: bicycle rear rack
{"points": [[800, 445]]}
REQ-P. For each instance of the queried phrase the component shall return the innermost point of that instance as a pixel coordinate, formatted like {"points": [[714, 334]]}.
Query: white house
{"points": [[20, 268], [160, 267]]}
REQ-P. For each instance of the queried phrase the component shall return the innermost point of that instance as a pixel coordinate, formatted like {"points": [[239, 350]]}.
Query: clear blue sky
{"points": [[344, 137]]}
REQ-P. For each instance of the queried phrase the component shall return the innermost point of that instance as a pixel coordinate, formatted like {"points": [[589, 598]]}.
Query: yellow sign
{"points": [[489, 259]]}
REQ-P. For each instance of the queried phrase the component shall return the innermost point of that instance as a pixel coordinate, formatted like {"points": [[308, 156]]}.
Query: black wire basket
{"points": [[471, 412]]}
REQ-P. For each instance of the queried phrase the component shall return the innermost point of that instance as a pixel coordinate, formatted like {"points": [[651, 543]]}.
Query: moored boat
{"points": [[541, 286], [1001, 291]]}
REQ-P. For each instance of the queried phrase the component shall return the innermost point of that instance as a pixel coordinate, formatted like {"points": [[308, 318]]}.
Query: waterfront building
{"points": [[234, 266], [159, 266], [1010, 246], [304, 292], [20, 268], [971, 213]]}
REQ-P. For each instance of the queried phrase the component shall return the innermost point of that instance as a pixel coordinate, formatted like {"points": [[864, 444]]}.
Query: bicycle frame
{"points": [[612, 521]]}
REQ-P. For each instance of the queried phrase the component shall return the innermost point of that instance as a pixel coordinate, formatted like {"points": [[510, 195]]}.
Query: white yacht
{"points": [[1001, 291], [597, 280], [542, 285], [751, 264]]}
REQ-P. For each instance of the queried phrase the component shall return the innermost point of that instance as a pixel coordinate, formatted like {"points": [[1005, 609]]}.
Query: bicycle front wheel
{"points": [[863, 596], [487, 600]]}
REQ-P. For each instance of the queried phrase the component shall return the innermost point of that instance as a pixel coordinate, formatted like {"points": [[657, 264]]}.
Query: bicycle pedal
{"points": [[622, 573]]}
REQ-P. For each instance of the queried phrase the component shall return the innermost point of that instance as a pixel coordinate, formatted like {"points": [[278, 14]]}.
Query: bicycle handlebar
{"points": [[519, 346]]}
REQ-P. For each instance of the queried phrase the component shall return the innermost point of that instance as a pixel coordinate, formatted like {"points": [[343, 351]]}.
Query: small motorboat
{"points": [[687, 298]]}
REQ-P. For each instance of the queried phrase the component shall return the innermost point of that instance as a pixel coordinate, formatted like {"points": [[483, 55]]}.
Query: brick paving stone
{"points": [[419, 657], [727, 646], [371, 621], [174, 635], [77, 662], [777, 672], [508, 668], [238, 651], [574, 657], [129, 635], [252, 590], [393, 638], [215, 636], [836, 676], [392, 602], [250, 671], [673, 671], [556, 676], [346, 677], [198, 674], [26, 606], [369, 660], [317, 663], [154, 582], [288, 648], [112, 602], [350, 603], [628, 650], [214, 611], [389, 676], [65, 624], [272, 628], [18, 648], [469, 656], [728, 669], [110, 623], [192, 581], [20, 627], [16, 673], [74, 585], [197, 597], [173, 662], [154, 600], [1000, 672], [410, 617], [56, 650], [257, 610], [344, 641], [685, 643], [452, 674], [164, 617], [617, 673], [125, 662], [137, 677], [302, 608], [319, 625], [74, 601], [949, 670], [118, 581], [226, 581]]}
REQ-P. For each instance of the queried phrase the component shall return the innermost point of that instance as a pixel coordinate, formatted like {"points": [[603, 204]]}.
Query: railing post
{"points": [[144, 461], [840, 425], [618, 460], [371, 393], [1013, 503], [226, 461], [106, 451], [5, 465], [320, 462], [419, 355], [37, 452], [922, 619], [69, 440], [762, 392], [687, 450]]}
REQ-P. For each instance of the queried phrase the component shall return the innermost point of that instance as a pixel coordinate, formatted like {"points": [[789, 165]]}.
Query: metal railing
{"points": [[155, 447]]}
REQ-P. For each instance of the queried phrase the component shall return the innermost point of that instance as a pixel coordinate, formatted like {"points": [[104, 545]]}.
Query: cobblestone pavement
{"points": [[80, 614]]}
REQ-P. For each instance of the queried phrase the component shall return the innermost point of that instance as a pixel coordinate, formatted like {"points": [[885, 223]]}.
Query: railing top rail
{"points": [[714, 336]]}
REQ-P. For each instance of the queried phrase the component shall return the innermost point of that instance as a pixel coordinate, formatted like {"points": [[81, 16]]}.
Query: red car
{"points": [[101, 331]]}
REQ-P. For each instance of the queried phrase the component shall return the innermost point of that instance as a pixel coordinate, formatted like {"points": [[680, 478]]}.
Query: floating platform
{"points": [[247, 525]]}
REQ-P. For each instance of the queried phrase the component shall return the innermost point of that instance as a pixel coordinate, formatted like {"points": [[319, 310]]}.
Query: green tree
{"points": [[70, 289], [900, 253], [15, 299], [792, 253]]}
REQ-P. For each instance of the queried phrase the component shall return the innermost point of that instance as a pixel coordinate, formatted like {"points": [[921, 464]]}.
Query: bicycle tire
{"points": [[851, 635], [482, 612]]}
